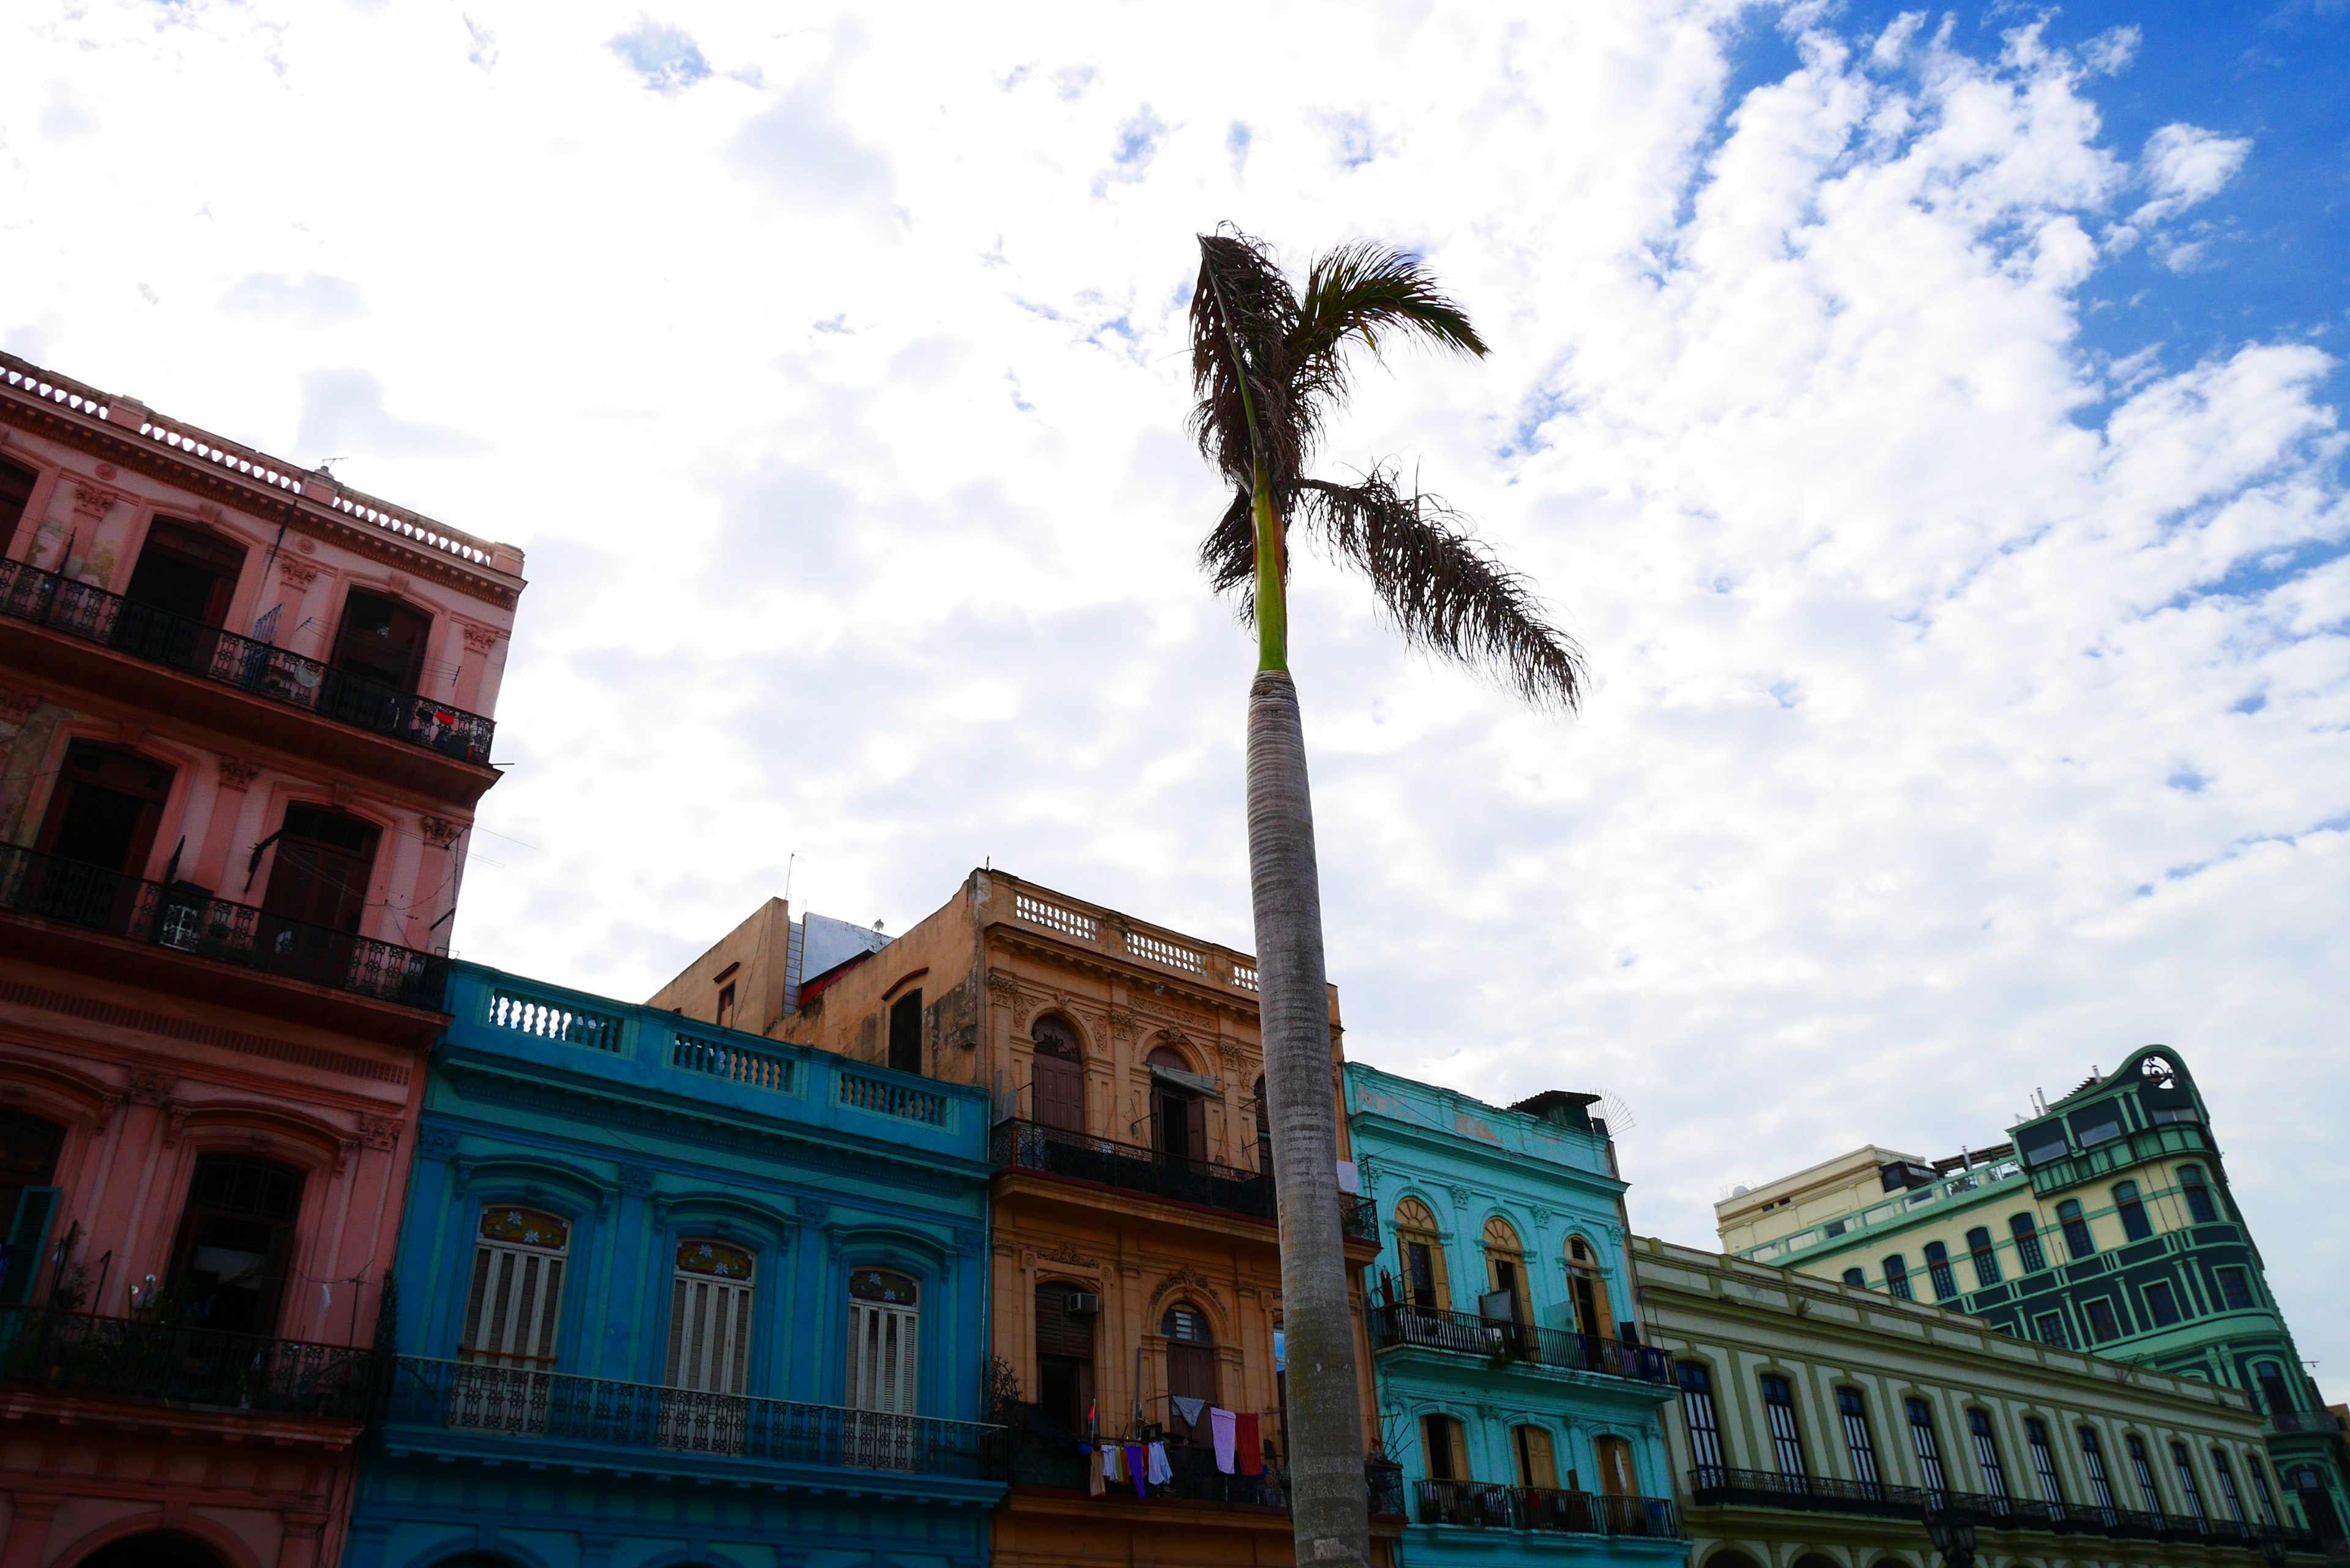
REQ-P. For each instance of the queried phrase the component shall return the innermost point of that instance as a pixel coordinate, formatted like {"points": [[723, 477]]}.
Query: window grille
{"points": [[1854, 1408], [2228, 1492], [2235, 1292], [2162, 1304], [2144, 1469], [2132, 1211], [1704, 1423], [1896, 1276], [2077, 1239], [1786, 1440], [2028, 1255], [2198, 1194], [1985, 1261], [1930, 1451], [2043, 1463], [2261, 1493], [2187, 1484], [2101, 1485], [1938, 1268], [1987, 1453]]}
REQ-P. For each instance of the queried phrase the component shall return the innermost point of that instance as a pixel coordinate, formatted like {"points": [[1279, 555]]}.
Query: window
{"points": [[884, 1343], [183, 571], [1443, 1449], [515, 1298], [28, 1161], [382, 640], [906, 1032], [1615, 1457], [2048, 1328], [1987, 1453], [1537, 1464], [1191, 1367], [2028, 1255], [1985, 1261], [319, 879], [2235, 1289], [2044, 1464], [102, 813], [2162, 1304], [708, 1348], [1896, 1277], [1064, 1355], [1854, 1408], [1056, 1076], [2187, 1484], [1505, 1269], [2198, 1194], [2077, 1239], [2101, 1485], [1786, 1440], [1703, 1421], [727, 1006], [1856, 1278], [1592, 1309], [1938, 1268], [15, 494], [2099, 1310], [2228, 1492], [236, 1240], [2148, 1497], [2134, 1225], [1929, 1449], [1179, 1118], [2261, 1493], [2275, 1392], [1422, 1257]]}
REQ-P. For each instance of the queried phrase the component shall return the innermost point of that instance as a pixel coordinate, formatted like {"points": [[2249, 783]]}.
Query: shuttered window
{"points": [[515, 1302], [884, 1341], [1929, 1450], [1786, 1440], [710, 1318], [1854, 1408], [1704, 1421]]}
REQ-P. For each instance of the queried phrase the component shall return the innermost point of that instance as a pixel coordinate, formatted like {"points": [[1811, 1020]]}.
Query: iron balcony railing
{"points": [[176, 642], [190, 920], [182, 1367], [1479, 1505], [1501, 1340], [1129, 1168], [2306, 1421], [528, 1404], [1721, 1487]]}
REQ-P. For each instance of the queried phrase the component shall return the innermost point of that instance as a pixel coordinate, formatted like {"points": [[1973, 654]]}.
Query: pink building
{"points": [[242, 731]]}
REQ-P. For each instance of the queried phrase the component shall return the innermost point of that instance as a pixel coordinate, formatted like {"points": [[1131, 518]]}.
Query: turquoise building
{"points": [[673, 1294], [1512, 1387]]}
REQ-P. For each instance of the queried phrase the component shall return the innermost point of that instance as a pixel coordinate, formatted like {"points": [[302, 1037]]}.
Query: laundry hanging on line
{"points": [[1160, 1471], [1246, 1439], [1222, 1424], [1189, 1408]]}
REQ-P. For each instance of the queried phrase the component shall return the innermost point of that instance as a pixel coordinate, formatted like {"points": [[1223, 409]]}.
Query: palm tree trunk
{"points": [[1329, 1508]]}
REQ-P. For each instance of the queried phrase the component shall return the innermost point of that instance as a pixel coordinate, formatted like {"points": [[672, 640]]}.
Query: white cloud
{"points": [[313, 299], [1906, 615]]}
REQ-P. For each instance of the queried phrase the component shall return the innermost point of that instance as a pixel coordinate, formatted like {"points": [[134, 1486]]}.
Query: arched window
{"points": [[2142, 1467], [1443, 1449], [1593, 1310], [2044, 1464], [1505, 1269], [1938, 1269], [1179, 1115], [28, 1203], [1856, 1278], [1190, 1370], [1896, 1276], [2193, 1494], [1703, 1419], [1057, 1075], [103, 812], [2028, 1255], [2126, 1204], [1786, 1437], [885, 1320], [2275, 1393], [2229, 1495], [382, 643], [1985, 1261], [2198, 1194], [710, 1317], [1066, 1314], [1422, 1255], [1615, 1457], [1929, 1450], [2101, 1485], [1538, 1459], [186, 575], [1851, 1405], [514, 1301], [2077, 1239], [2261, 1493], [1994, 1474], [237, 1241]]}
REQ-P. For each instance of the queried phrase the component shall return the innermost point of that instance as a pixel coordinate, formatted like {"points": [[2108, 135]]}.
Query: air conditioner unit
{"points": [[1083, 1303]]}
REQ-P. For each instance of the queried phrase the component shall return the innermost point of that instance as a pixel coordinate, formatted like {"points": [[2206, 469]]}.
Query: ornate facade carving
{"points": [[478, 638], [296, 573], [1065, 1254], [149, 1087], [16, 706], [235, 773], [92, 499], [636, 1181], [439, 831], [380, 1132], [436, 1142], [1184, 1276]]}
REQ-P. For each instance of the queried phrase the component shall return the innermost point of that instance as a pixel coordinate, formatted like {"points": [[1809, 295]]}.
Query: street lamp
{"points": [[1953, 1535], [2272, 1548]]}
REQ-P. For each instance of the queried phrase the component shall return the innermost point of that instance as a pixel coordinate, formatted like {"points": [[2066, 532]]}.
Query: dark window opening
{"points": [[2275, 1392], [1064, 1356], [2162, 1304], [235, 1239], [2077, 1239], [324, 863], [1440, 1447], [2103, 1325], [727, 1006], [1786, 1438], [1938, 1268], [1703, 1421], [184, 571], [382, 639], [28, 1163], [1178, 1118], [1896, 1276], [1985, 1261], [1856, 1278], [1852, 1406], [1190, 1369], [2049, 1329], [2192, 1187], [2134, 1225], [2028, 1255], [1994, 1474], [1929, 1450], [16, 496], [906, 1032], [105, 809], [1263, 1132]]}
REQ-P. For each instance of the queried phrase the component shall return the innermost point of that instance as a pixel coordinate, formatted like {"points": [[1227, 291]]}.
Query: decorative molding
{"points": [[92, 499], [439, 831], [478, 638], [1184, 1276], [380, 1132], [437, 1142], [235, 773], [16, 706], [1124, 1025], [1065, 1254], [636, 1181], [149, 1087], [813, 1210], [296, 573], [1460, 1196], [967, 1239]]}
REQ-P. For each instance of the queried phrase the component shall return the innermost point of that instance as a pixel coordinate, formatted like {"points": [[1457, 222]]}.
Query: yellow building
{"points": [[1136, 1282], [1826, 1426]]}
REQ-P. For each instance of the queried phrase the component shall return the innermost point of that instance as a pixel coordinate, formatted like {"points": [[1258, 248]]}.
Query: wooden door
{"points": [[325, 861], [382, 640]]}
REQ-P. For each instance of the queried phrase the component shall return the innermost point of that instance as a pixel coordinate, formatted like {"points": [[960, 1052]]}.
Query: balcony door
{"points": [[513, 1304], [1191, 1371], [382, 640], [885, 1323], [1179, 1118], [28, 1203], [1590, 1289], [236, 1240], [318, 891], [1064, 1356], [711, 1298], [179, 594], [101, 825], [1056, 1077]]}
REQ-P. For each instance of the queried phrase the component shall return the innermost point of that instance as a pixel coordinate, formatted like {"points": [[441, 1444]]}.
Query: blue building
{"points": [[1511, 1383], [674, 1294]]}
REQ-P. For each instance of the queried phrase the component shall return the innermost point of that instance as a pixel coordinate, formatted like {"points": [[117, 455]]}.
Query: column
{"points": [[209, 861], [483, 668], [28, 1529], [299, 1547]]}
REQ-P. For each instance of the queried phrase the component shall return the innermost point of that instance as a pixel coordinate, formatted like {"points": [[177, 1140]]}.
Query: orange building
{"points": [[1137, 1280]]}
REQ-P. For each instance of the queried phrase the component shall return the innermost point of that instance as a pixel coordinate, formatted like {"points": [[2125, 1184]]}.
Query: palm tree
{"points": [[1269, 366]]}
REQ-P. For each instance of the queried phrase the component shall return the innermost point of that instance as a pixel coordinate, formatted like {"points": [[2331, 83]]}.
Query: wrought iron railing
{"points": [[1062, 1462], [521, 1403], [177, 642], [2306, 1421], [180, 1365], [1502, 1340], [1721, 1487], [1129, 1168], [1383, 1478], [1479, 1505], [190, 920]]}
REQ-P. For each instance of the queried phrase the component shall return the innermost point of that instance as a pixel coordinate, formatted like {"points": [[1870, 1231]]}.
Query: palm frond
{"points": [[1369, 295], [1445, 591], [1242, 312], [1228, 554]]}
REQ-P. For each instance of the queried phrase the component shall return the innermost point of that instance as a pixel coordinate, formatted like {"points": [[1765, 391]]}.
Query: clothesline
{"points": [[1234, 1436]]}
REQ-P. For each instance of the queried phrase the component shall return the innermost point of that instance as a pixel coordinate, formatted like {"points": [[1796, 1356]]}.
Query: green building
{"points": [[2106, 1223]]}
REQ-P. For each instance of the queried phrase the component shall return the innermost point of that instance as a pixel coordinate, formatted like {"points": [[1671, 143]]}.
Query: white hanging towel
{"points": [[1222, 1424]]}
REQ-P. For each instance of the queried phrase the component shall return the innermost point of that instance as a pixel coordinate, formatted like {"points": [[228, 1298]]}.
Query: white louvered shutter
{"points": [[883, 1341], [514, 1306], [708, 1334]]}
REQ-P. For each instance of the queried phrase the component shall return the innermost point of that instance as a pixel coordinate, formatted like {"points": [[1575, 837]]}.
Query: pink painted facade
{"points": [[243, 727]]}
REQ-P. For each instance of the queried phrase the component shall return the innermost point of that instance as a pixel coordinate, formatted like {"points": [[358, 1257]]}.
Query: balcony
{"points": [[182, 1368], [239, 669], [2304, 1421], [1502, 1343], [1478, 1506], [1177, 1178], [158, 921], [492, 1411], [1711, 1488], [1045, 1459]]}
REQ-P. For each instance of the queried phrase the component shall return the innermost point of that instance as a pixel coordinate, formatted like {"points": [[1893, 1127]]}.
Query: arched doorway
{"points": [[1190, 1370], [155, 1549], [1179, 1117], [1056, 1076]]}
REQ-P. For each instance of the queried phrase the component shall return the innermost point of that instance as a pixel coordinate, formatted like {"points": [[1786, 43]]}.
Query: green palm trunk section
{"points": [[1329, 1506], [1271, 589]]}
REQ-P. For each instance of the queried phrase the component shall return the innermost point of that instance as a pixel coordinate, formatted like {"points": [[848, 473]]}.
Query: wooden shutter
{"points": [[513, 1304], [709, 1331], [28, 1243], [883, 1342], [1059, 1093], [1615, 1468], [1537, 1466]]}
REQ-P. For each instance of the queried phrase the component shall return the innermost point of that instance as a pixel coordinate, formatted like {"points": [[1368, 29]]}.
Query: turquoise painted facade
{"points": [[672, 1295], [1511, 1387]]}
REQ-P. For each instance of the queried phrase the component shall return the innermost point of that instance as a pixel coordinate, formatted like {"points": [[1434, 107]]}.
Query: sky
{"points": [[1930, 422]]}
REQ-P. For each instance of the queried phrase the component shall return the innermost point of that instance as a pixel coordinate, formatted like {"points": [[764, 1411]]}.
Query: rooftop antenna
{"points": [[788, 875]]}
